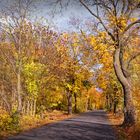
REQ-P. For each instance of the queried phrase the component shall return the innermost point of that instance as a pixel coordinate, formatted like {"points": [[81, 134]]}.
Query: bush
{"points": [[27, 122], [8, 122], [5, 120]]}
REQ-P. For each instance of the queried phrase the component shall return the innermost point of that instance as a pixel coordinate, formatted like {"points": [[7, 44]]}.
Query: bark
{"points": [[107, 102], [19, 92], [88, 107], [75, 99], [23, 107], [31, 107], [115, 107], [34, 109], [69, 97], [2, 94], [28, 107], [129, 110]]}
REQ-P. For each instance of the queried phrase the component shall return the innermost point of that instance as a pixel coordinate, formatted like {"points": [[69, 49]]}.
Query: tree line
{"points": [[42, 69]]}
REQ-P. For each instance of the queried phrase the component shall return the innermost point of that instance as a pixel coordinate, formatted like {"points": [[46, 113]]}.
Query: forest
{"points": [[48, 75]]}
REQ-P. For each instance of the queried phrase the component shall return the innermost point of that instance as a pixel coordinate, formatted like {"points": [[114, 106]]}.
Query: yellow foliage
{"points": [[92, 40], [119, 22], [5, 120], [133, 19]]}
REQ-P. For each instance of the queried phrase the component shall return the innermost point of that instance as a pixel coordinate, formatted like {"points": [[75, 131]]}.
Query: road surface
{"points": [[87, 126]]}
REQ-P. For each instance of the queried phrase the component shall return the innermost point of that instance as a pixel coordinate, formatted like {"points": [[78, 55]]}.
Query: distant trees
{"points": [[40, 68]]}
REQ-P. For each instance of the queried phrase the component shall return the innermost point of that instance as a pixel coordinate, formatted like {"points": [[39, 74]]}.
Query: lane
{"points": [[87, 126]]}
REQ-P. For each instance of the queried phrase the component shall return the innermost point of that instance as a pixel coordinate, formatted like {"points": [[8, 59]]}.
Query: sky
{"points": [[64, 19], [57, 17], [61, 17]]}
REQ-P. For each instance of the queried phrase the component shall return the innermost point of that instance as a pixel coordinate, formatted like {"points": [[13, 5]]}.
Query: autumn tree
{"points": [[120, 21], [14, 25]]}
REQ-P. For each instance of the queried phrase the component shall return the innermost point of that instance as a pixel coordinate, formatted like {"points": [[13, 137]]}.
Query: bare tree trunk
{"points": [[31, 107], [13, 101], [28, 107], [19, 109], [3, 96], [129, 110], [34, 110], [107, 102], [115, 107], [24, 107], [88, 108], [69, 97], [75, 102]]}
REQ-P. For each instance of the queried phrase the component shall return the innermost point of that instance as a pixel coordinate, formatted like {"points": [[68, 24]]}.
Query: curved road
{"points": [[87, 126]]}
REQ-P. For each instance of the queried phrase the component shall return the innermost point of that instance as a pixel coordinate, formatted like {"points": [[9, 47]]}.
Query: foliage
{"points": [[43, 70]]}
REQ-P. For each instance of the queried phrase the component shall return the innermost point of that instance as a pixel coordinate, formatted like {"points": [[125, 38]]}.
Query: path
{"points": [[87, 126]]}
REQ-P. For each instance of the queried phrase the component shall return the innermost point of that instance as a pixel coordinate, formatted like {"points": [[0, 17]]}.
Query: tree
{"points": [[119, 22], [14, 25]]}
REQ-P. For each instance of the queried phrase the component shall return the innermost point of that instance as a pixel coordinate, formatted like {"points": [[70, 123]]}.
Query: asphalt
{"points": [[93, 125]]}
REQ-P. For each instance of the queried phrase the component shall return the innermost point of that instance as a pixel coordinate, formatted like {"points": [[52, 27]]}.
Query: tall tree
{"points": [[13, 24], [119, 20]]}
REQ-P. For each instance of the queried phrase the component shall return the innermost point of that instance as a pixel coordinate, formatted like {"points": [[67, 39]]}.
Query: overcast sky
{"points": [[63, 15], [57, 17]]}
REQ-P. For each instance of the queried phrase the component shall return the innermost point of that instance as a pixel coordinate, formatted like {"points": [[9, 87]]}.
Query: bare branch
{"points": [[97, 17], [130, 25]]}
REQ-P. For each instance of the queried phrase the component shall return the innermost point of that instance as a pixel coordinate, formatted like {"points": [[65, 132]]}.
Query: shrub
{"points": [[5, 120], [8, 122]]}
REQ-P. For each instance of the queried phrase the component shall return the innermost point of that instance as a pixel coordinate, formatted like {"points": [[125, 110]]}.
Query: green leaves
{"points": [[32, 72]]}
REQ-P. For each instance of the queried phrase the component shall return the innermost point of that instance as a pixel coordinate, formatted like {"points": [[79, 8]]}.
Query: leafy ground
{"points": [[30, 122], [128, 133]]}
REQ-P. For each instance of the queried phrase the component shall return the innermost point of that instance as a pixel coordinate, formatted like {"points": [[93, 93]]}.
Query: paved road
{"points": [[87, 126]]}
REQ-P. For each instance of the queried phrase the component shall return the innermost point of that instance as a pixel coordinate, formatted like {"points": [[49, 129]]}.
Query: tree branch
{"points": [[130, 25], [97, 17], [132, 58]]}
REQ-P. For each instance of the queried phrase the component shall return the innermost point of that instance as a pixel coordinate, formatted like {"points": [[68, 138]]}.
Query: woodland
{"points": [[44, 72]]}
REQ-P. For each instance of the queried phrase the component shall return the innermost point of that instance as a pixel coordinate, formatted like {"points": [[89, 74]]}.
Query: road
{"points": [[92, 125]]}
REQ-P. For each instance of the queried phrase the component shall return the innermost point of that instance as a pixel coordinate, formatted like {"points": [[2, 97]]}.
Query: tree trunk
{"points": [[28, 107], [115, 107], [69, 97], [89, 107], [75, 105], [107, 102], [31, 107], [34, 109], [129, 110], [19, 109], [3, 96]]}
